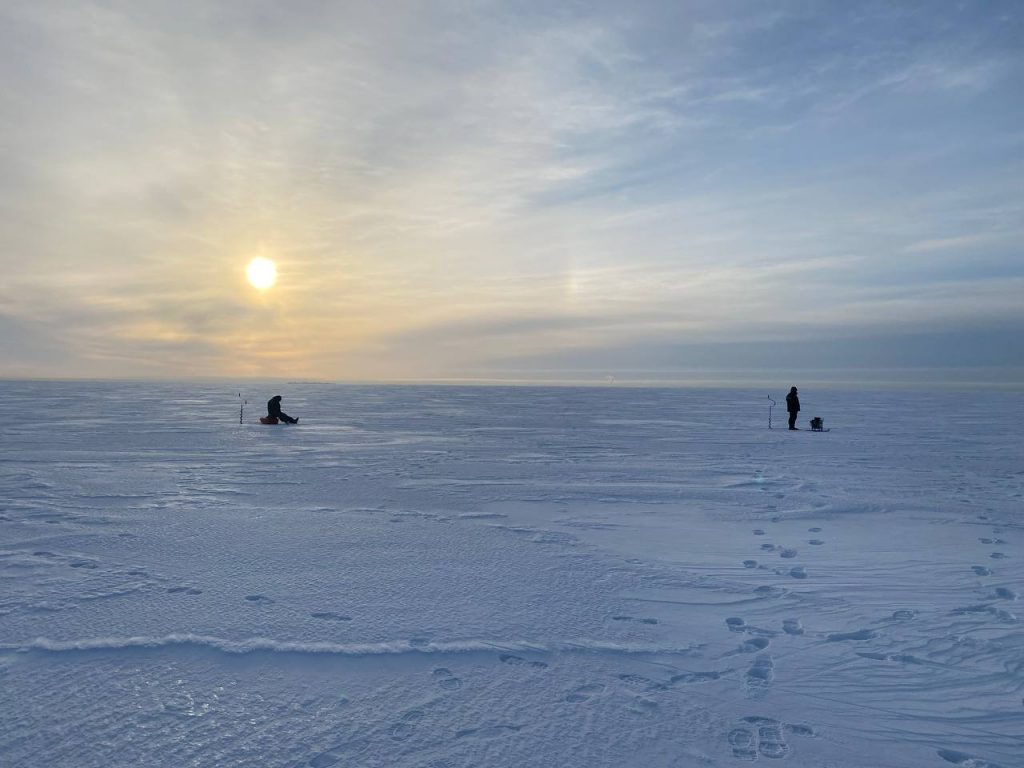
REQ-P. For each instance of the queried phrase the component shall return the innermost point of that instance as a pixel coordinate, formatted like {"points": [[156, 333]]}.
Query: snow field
{"points": [[438, 577]]}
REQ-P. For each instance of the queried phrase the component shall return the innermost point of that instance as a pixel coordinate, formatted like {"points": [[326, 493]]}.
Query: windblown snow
{"points": [[463, 577]]}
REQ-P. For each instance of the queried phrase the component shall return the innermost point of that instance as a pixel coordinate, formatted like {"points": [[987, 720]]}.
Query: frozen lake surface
{"points": [[457, 577]]}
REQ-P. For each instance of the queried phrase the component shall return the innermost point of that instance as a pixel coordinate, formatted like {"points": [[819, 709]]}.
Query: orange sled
{"points": [[269, 420]]}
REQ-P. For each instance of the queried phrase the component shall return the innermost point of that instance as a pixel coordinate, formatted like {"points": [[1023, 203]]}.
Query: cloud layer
{"points": [[454, 188]]}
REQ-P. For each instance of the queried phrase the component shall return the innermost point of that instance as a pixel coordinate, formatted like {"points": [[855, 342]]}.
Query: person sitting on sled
{"points": [[274, 411]]}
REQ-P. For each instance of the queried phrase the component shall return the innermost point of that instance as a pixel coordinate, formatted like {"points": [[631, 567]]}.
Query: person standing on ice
{"points": [[274, 410], [793, 406]]}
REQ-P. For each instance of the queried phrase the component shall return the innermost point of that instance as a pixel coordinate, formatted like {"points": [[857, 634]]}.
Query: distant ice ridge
{"points": [[258, 644]]}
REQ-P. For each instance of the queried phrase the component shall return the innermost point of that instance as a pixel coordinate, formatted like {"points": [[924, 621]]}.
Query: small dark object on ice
{"points": [[818, 425], [275, 420]]}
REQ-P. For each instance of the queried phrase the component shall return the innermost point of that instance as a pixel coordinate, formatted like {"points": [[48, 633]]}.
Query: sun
{"points": [[262, 273]]}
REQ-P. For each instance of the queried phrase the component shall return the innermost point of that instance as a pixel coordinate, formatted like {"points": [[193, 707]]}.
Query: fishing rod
{"points": [[770, 404], [241, 407]]}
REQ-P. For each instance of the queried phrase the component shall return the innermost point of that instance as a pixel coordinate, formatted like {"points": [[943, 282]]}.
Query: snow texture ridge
{"points": [[257, 644]]}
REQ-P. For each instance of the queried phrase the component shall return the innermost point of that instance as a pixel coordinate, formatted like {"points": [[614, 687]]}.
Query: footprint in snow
{"points": [[768, 547], [965, 760], [634, 619], [735, 624], [761, 673], [446, 680], [966, 609], [759, 531], [690, 678], [754, 644], [584, 692], [997, 556], [642, 706], [792, 627], [519, 661], [750, 563], [330, 616], [770, 742], [642, 683], [765, 737], [816, 542], [981, 570], [860, 634], [553, 537], [799, 572], [258, 599], [742, 742], [814, 530], [184, 590], [405, 727], [787, 552], [1003, 614]]}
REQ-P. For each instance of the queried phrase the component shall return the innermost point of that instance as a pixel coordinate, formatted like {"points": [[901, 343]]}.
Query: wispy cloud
{"points": [[961, 242], [447, 184]]}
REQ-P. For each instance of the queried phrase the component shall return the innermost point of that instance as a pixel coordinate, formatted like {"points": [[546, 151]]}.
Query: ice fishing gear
{"points": [[818, 424], [241, 407], [770, 404]]}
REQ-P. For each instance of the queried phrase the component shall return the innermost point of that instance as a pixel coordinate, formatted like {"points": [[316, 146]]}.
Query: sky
{"points": [[458, 189]]}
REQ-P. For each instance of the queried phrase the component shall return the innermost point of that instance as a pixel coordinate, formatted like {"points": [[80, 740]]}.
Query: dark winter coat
{"points": [[792, 403], [274, 406]]}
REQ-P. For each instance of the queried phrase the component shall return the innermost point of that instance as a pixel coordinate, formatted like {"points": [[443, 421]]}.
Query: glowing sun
{"points": [[262, 273]]}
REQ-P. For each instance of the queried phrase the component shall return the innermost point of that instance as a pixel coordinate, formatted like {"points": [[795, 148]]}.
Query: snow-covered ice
{"points": [[454, 577]]}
